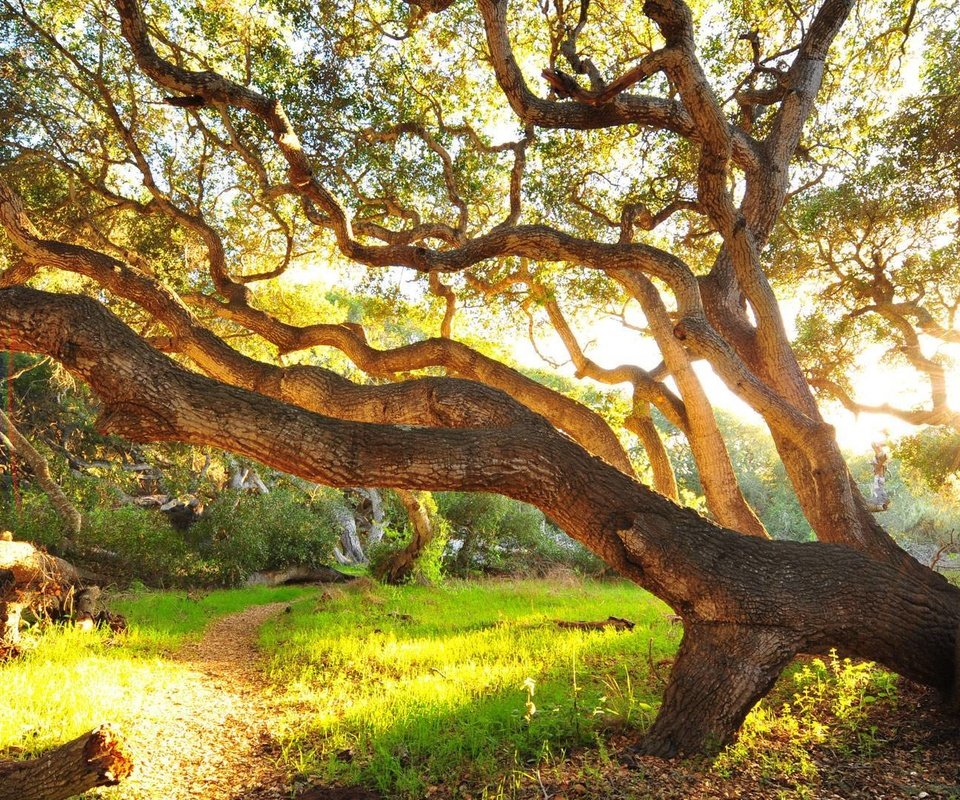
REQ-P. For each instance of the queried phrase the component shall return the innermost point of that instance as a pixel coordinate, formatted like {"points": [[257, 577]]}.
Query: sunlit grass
{"points": [[163, 621], [816, 701], [401, 688], [69, 681]]}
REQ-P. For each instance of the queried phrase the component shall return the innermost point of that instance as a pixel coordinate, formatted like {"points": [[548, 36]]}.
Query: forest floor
{"points": [[373, 693], [205, 734]]}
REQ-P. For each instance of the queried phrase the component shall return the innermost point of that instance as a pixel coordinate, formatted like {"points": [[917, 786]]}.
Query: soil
{"points": [[206, 735]]}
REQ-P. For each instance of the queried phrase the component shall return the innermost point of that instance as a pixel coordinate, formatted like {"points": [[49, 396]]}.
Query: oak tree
{"points": [[171, 161]]}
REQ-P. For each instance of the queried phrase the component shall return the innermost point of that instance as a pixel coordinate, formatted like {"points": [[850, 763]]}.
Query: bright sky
{"points": [[609, 344]]}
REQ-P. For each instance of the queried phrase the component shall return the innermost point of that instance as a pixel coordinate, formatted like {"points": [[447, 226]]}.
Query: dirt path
{"points": [[205, 733]]}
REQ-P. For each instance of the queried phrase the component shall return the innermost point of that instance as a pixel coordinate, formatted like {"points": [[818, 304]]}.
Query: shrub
{"points": [[146, 545], [240, 534], [36, 521], [494, 534]]}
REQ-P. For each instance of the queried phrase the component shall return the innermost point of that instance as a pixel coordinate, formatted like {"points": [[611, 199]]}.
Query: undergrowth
{"points": [[818, 703], [465, 689]]}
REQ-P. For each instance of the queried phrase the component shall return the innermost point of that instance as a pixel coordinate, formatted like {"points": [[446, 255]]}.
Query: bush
{"points": [[240, 534], [36, 522], [494, 534], [146, 545]]}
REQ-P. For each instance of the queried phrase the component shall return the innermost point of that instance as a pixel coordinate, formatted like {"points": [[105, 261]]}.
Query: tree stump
{"points": [[95, 759]]}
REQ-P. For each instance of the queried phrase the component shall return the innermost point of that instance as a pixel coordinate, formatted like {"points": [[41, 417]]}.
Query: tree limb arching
{"points": [[749, 604], [12, 438]]}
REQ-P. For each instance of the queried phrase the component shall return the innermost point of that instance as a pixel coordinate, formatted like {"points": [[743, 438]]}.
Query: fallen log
{"points": [[32, 579], [33, 569], [97, 758], [279, 577], [617, 623]]}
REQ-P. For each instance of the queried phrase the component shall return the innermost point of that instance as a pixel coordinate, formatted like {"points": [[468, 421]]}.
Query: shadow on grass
{"points": [[402, 690]]}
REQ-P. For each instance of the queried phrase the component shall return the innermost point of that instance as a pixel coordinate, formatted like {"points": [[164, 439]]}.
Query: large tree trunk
{"points": [[95, 759], [748, 603], [12, 438]]}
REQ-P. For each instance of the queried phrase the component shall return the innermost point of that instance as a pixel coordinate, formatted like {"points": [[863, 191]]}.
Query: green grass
{"points": [[400, 688], [816, 701], [163, 621], [69, 681], [403, 688]]}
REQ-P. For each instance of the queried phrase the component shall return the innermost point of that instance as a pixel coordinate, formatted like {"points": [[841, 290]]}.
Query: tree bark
{"points": [[664, 478], [720, 672], [761, 601], [349, 550], [98, 758], [720, 485]]}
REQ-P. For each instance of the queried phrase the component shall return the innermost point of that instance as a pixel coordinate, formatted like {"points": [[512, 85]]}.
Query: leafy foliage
{"points": [[242, 534], [829, 706], [495, 535]]}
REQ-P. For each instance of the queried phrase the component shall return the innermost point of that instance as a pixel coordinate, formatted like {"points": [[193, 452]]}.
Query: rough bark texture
{"points": [[716, 660], [748, 603], [95, 759]]}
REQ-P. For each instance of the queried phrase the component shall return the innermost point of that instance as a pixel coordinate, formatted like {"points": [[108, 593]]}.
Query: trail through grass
{"points": [[464, 689], [69, 681]]}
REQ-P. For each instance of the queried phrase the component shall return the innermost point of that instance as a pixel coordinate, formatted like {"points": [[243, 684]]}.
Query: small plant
{"points": [[830, 703], [530, 685], [620, 706]]}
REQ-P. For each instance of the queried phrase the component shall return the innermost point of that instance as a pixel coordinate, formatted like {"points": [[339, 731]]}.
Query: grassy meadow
{"points": [[403, 688], [468, 689]]}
